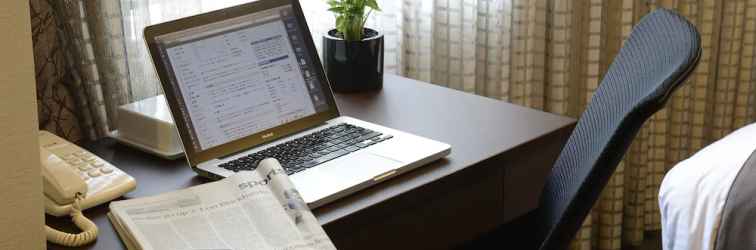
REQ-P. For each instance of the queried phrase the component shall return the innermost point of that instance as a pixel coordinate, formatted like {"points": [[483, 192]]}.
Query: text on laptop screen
{"points": [[241, 76]]}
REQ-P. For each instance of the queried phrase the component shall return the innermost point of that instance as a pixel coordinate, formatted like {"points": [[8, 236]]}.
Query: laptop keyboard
{"points": [[313, 149]]}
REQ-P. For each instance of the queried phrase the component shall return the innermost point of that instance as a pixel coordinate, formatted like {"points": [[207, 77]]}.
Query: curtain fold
{"points": [[92, 34], [545, 54], [57, 109]]}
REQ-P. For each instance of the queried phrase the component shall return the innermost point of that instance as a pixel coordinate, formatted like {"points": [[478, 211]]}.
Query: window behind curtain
{"points": [[140, 13]]}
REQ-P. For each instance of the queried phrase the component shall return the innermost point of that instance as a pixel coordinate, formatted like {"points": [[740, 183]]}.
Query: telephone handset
{"points": [[61, 183], [73, 180]]}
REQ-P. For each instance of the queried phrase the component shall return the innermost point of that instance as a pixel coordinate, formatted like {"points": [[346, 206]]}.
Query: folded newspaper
{"points": [[258, 209]]}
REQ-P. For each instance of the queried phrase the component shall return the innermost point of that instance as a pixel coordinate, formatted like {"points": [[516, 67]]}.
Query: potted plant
{"points": [[353, 54]]}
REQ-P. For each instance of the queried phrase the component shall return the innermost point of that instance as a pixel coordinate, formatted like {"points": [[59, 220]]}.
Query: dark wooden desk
{"points": [[500, 156]]}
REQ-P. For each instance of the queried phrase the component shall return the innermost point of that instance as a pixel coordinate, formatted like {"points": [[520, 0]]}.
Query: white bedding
{"points": [[693, 193]]}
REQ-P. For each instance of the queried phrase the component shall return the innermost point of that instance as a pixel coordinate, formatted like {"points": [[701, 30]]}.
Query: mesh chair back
{"points": [[660, 53]]}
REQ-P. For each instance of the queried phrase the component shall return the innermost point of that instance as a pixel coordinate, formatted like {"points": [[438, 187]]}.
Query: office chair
{"points": [[661, 52]]}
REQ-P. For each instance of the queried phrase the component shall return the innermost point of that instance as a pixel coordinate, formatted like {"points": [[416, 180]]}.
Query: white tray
{"points": [[161, 153]]}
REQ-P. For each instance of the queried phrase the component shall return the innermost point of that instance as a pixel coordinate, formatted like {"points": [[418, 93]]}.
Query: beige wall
{"points": [[21, 211]]}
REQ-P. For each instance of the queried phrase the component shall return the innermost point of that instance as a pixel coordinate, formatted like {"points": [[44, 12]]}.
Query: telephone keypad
{"points": [[88, 165]]}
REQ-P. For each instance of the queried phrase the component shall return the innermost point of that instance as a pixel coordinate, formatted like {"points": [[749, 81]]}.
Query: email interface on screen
{"points": [[241, 76]]}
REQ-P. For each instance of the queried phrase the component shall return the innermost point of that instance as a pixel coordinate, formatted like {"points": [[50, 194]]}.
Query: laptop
{"points": [[245, 83]]}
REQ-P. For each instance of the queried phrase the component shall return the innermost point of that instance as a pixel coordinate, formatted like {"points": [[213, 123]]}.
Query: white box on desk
{"points": [[147, 125]]}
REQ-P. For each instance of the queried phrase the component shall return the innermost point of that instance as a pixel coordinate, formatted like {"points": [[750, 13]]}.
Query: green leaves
{"points": [[373, 5], [351, 16]]}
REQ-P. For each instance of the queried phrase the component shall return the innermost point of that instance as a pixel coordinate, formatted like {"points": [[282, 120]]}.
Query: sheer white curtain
{"points": [[139, 13]]}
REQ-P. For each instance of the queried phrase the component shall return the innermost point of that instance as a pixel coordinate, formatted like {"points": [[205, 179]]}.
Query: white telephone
{"points": [[73, 180]]}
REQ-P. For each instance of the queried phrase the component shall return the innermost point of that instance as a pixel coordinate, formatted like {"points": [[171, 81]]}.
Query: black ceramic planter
{"points": [[354, 66]]}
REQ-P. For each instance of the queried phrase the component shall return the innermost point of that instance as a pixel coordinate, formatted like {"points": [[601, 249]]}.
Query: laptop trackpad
{"points": [[342, 174], [362, 166]]}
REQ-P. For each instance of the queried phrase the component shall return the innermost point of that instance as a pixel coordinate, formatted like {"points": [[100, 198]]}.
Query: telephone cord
{"points": [[88, 229]]}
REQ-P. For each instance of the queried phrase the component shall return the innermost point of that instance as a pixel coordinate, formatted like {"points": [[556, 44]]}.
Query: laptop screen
{"points": [[241, 76]]}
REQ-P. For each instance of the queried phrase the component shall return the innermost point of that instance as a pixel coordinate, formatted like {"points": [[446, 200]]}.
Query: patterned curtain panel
{"points": [[57, 108], [89, 37], [545, 54]]}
